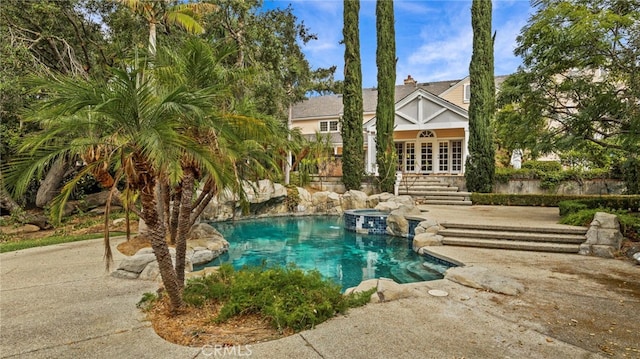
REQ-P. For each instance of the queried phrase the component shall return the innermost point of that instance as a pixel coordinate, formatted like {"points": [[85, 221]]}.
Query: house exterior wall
{"points": [[455, 94]]}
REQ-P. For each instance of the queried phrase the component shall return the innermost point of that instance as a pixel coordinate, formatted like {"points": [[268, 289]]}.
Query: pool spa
{"points": [[322, 243]]}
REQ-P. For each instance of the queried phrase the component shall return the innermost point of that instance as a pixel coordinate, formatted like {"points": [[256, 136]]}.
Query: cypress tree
{"points": [[480, 164], [352, 138], [385, 109]]}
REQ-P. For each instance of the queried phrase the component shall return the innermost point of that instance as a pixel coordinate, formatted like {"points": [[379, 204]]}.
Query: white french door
{"points": [[426, 157]]}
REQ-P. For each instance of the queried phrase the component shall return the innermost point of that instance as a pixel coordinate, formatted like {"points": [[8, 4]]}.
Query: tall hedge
{"points": [[385, 108], [480, 164], [352, 138]]}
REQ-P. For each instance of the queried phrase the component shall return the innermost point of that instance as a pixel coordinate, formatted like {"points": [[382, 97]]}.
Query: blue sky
{"points": [[433, 37]]}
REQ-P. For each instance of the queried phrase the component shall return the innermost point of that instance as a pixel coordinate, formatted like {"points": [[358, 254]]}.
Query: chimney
{"points": [[410, 81]]}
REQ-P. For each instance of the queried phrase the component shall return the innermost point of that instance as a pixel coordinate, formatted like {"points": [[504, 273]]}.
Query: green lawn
{"points": [[46, 241]]}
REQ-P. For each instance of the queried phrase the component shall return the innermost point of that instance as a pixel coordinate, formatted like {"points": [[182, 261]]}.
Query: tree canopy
{"points": [[480, 164], [579, 84], [385, 108], [352, 139]]}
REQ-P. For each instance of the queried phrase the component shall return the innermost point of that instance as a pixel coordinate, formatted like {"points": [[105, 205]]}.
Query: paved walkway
{"points": [[58, 302]]}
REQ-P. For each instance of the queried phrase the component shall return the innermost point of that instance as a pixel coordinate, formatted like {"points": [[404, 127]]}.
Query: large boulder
{"points": [[137, 262], [482, 278], [334, 203], [426, 240], [428, 226], [205, 243], [397, 223], [386, 290], [604, 238], [305, 203], [374, 199], [353, 199]]}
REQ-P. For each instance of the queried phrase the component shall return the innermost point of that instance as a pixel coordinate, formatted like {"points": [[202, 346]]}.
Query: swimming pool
{"points": [[321, 242]]}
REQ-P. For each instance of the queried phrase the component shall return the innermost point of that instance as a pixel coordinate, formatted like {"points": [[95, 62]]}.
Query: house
{"points": [[431, 124]]}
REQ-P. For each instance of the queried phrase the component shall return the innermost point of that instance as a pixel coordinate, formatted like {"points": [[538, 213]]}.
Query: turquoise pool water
{"points": [[321, 242]]}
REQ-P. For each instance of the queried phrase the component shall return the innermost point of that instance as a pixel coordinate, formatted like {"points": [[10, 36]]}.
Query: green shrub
{"points": [[629, 222], [631, 203], [289, 297], [627, 203], [550, 176], [508, 199], [568, 207], [293, 198], [631, 174], [544, 166], [147, 301]]}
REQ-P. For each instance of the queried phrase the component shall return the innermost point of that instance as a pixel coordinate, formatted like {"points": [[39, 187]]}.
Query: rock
{"points": [[353, 199], [201, 231], [604, 238], [603, 251], [482, 278], [387, 206], [150, 272], [27, 228], [636, 256], [305, 204], [334, 203], [202, 273], [426, 240], [389, 290], [397, 223], [202, 257], [123, 274], [375, 199], [428, 226], [117, 221], [605, 220], [364, 286], [145, 250], [136, 263]]}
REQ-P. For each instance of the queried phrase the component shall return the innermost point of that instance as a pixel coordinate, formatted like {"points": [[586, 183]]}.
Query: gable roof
{"points": [[420, 93], [331, 105]]}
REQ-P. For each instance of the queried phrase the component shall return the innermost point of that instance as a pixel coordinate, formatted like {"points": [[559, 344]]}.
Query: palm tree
{"points": [[245, 143], [157, 12], [139, 127]]}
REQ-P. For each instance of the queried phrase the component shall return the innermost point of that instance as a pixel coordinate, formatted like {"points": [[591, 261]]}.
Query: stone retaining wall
{"points": [[584, 187]]}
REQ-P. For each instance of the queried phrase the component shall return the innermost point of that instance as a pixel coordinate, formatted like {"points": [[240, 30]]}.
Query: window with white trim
{"points": [[467, 93], [329, 126]]}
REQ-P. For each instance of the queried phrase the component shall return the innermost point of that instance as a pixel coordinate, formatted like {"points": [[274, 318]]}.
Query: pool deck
{"points": [[58, 302]]}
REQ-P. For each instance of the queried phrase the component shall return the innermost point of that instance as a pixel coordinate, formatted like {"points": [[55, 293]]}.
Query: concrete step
{"points": [[493, 227], [451, 197], [514, 245], [447, 202], [513, 236], [438, 188], [445, 193], [412, 179]]}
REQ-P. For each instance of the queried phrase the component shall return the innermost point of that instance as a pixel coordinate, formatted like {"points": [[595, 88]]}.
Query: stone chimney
{"points": [[410, 81]]}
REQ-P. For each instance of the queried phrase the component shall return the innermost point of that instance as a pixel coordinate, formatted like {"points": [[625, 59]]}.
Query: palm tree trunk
{"points": [[184, 217], [156, 233], [175, 212], [152, 39]]}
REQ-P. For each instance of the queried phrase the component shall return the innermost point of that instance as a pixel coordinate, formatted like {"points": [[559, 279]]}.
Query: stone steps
{"points": [[514, 236], [565, 239], [430, 190], [451, 202], [515, 245]]}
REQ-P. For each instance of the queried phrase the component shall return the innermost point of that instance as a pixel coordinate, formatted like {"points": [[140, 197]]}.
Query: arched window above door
{"points": [[426, 134]]}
